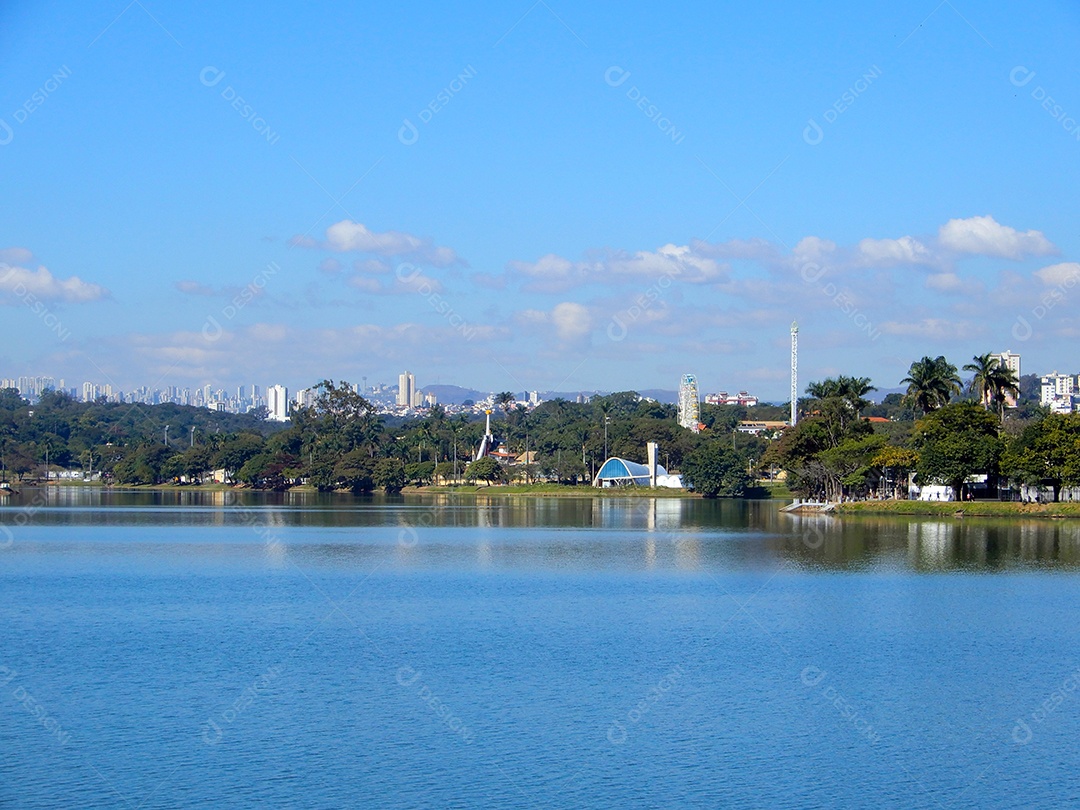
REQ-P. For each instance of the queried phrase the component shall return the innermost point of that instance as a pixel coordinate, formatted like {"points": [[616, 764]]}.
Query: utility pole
{"points": [[606, 420], [794, 373]]}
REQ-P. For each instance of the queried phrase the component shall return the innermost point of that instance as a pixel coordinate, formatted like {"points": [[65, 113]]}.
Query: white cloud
{"points": [[1059, 275], [45, 286], [550, 273], [15, 255], [945, 282], [891, 252], [376, 266], [570, 321], [553, 273], [984, 236], [189, 287], [737, 249], [813, 248], [355, 237]]}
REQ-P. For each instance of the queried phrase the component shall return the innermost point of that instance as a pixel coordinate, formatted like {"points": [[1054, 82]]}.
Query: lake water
{"points": [[164, 650]]}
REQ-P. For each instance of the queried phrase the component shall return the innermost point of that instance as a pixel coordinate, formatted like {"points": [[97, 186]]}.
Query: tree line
{"points": [[340, 442], [988, 429], [940, 429]]}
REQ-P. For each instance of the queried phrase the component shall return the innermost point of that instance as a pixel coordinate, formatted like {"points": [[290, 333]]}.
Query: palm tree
{"points": [[505, 401], [931, 383], [854, 391], [851, 390], [1006, 385], [984, 368]]}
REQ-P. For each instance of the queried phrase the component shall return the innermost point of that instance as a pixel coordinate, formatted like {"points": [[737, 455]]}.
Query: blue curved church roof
{"points": [[619, 468]]}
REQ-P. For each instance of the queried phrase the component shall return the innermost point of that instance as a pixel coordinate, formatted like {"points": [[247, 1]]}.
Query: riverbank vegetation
{"points": [[977, 445], [340, 442]]}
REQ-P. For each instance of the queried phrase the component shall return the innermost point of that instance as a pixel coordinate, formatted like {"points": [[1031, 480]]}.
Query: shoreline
{"points": [[960, 509], [513, 490]]}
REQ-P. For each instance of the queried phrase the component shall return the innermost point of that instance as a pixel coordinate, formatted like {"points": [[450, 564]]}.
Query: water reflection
{"points": [[564, 532]]}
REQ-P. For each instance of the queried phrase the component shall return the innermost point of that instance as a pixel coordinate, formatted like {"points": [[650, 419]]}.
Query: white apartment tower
{"points": [[406, 390], [277, 403]]}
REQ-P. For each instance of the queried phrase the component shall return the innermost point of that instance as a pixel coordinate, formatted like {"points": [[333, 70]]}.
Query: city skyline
{"points": [[541, 198], [408, 394]]}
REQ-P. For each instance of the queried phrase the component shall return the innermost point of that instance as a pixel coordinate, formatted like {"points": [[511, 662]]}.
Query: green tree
{"points": [[992, 382], [1047, 453], [444, 471], [895, 463], [504, 401], [485, 469], [389, 474], [716, 470], [983, 368], [355, 471], [931, 383], [956, 442], [420, 473]]}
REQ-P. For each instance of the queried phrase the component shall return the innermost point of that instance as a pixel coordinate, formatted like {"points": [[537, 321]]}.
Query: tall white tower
{"points": [[406, 389], [277, 403], [794, 372], [689, 403]]}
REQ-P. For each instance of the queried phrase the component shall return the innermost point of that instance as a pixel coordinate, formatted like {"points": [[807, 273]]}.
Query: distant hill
{"points": [[661, 395], [453, 394]]}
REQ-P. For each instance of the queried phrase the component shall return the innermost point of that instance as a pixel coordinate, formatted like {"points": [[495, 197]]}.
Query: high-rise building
{"points": [[1012, 362], [1056, 392], [277, 403], [406, 389], [689, 403]]}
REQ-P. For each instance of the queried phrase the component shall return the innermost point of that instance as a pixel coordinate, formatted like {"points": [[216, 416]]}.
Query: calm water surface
{"points": [[198, 649]]}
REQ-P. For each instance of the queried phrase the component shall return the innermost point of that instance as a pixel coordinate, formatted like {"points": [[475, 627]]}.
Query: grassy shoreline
{"points": [[961, 509], [531, 490], [552, 490]]}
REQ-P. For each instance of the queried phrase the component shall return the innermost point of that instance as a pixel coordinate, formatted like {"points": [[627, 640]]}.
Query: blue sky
{"points": [[535, 196]]}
